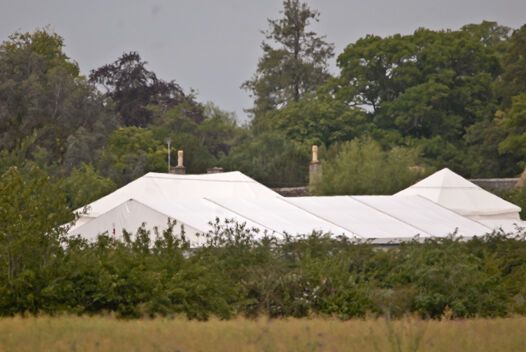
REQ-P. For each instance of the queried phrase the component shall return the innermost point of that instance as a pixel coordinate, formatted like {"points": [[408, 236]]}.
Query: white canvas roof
{"points": [[154, 188], [462, 196], [280, 216], [425, 215], [506, 225], [129, 216], [196, 200], [271, 216], [357, 217]]}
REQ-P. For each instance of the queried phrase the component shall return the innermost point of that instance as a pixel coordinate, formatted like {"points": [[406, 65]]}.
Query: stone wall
{"points": [[490, 184], [496, 184], [293, 191]]}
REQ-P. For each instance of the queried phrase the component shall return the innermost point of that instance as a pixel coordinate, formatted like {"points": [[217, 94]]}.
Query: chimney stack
{"points": [[179, 169], [314, 168]]}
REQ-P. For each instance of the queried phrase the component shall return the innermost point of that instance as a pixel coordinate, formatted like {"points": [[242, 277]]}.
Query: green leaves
{"points": [[131, 152], [514, 123], [362, 167], [85, 185], [513, 78], [294, 61], [44, 99], [32, 210], [271, 159], [319, 119]]}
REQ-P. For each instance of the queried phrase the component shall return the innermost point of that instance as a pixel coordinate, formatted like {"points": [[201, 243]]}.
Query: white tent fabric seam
{"points": [[392, 216], [242, 216]]}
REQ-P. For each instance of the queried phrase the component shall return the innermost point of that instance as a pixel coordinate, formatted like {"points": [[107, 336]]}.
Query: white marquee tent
{"points": [[454, 192], [194, 201]]}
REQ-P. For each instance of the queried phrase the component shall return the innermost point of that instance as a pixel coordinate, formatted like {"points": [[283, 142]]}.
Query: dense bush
{"points": [[241, 272], [517, 196]]}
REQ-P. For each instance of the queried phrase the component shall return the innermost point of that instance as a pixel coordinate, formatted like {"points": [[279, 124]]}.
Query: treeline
{"points": [[426, 100]]}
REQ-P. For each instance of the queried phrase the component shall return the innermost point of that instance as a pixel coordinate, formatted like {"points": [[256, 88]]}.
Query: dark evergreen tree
{"points": [[294, 60]]}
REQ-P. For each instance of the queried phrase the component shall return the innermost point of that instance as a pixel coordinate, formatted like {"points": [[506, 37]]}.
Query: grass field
{"points": [[108, 334]]}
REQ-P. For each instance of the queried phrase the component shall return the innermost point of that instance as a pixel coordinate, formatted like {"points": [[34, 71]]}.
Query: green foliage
{"points": [[219, 131], [271, 159], [319, 119], [362, 167], [204, 143], [43, 97], [435, 91], [517, 196], [85, 185], [491, 34], [513, 122], [131, 152], [464, 285], [376, 71], [513, 78], [239, 271], [31, 211], [426, 85], [294, 62], [482, 154], [47, 46], [429, 98]]}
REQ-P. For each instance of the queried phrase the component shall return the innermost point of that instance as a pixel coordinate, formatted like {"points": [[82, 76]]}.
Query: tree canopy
{"points": [[294, 61], [43, 98], [132, 87]]}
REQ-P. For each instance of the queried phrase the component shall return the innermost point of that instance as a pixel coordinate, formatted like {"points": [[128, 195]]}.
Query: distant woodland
{"points": [[431, 99]]}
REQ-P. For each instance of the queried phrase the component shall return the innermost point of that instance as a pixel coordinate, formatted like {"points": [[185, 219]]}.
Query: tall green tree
{"points": [[428, 88], [294, 60], [422, 83], [43, 97]]}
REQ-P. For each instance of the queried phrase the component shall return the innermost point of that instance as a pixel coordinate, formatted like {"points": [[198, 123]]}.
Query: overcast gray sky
{"points": [[213, 46]]}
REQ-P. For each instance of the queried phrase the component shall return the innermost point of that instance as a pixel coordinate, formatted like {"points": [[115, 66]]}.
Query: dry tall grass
{"points": [[108, 334]]}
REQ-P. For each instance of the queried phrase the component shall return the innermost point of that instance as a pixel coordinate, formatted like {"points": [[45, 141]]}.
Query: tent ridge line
{"points": [[200, 180], [241, 215]]}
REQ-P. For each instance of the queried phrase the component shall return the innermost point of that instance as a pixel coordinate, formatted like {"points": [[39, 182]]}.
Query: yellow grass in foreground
{"points": [[108, 334]]}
